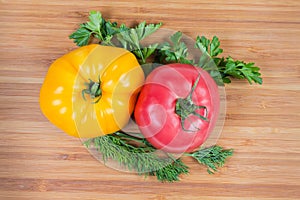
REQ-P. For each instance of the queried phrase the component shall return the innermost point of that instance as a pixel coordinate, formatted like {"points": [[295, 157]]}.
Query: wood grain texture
{"points": [[38, 161]]}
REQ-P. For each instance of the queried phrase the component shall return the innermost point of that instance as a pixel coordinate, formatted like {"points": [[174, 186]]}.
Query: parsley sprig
{"points": [[228, 67], [104, 31], [97, 27], [177, 51], [132, 38]]}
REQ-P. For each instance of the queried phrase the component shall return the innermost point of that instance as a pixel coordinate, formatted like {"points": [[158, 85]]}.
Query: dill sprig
{"points": [[137, 154], [212, 157]]}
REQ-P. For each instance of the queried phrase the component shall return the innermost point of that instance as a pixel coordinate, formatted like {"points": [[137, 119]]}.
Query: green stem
{"points": [[186, 107], [93, 89], [126, 136]]}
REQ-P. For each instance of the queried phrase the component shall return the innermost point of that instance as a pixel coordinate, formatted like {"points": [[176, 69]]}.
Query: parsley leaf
{"points": [[104, 31], [131, 40], [239, 69], [177, 51], [81, 36], [212, 47], [143, 30], [96, 27], [95, 23], [209, 50], [228, 67], [145, 52]]}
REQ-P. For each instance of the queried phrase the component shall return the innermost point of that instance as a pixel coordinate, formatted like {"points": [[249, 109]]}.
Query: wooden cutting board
{"points": [[38, 161]]}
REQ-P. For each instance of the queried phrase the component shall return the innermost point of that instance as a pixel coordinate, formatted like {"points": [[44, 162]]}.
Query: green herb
{"points": [[97, 27], [228, 67], [135, 35], [138, 155], [171, 171], [145, 52], [131, 40], [212, 157], [211, 47], [103, 30], [238, 69], [177, 51]]}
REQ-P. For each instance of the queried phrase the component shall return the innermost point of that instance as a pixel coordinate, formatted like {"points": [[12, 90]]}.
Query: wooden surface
{"points": [[38, 161]]}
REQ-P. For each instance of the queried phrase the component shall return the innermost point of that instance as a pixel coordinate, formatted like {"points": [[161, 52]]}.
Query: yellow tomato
{"points": [[92, 90]]}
